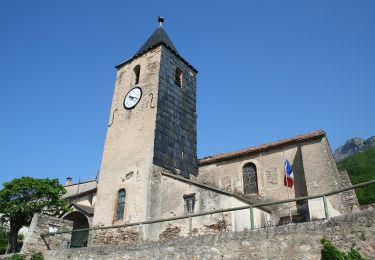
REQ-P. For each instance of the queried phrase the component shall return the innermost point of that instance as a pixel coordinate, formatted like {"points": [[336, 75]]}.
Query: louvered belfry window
{"points": [[120, 210], [250, 180]]}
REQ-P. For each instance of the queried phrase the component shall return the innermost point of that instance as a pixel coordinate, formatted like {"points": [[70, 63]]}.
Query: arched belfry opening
{"points": [[79, 238], [137, 73], [250, 179]]}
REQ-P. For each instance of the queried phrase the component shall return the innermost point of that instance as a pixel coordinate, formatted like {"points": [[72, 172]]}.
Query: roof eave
{"points": [[261, 148], [153, 47], [79, 183], [81, 193]]}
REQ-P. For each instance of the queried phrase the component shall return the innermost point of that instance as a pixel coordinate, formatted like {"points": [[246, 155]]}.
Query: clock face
{"points": [[132, 98]]}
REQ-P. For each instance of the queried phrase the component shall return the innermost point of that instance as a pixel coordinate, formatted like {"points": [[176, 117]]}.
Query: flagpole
{"points": [[290, 209], [287, 190]]}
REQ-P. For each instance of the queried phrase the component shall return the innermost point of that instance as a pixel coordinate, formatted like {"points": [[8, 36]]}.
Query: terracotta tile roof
{"points": [[263, 147]]}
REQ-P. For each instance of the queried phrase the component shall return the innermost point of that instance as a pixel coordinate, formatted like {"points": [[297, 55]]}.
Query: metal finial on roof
{"points": [[161, 21]]}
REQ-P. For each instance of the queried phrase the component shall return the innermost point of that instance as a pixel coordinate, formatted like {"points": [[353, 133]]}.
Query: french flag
{"points": [[288, 178]]}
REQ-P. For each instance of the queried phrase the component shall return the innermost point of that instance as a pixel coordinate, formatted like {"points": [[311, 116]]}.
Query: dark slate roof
{"points": [[159, 36], [261, 148]]}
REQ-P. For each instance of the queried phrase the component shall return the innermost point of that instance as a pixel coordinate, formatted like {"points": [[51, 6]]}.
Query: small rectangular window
{"points": [[179, 77], [189, 201]]}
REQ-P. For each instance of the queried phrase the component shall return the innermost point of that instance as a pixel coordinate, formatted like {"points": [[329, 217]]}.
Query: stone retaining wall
{"points": [[296, 241], [45, 224]]}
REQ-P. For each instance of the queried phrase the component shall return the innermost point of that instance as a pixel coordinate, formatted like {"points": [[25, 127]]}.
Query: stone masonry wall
{"points": [[42, 224], [296, 241], [349, 196], [128, 149], [321, 173], [116, 236]]}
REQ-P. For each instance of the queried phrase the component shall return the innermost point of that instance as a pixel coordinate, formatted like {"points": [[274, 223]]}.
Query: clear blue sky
{"points": [[268, 70]]}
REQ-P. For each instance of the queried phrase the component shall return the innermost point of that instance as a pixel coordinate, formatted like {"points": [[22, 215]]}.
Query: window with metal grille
{"points": [[189, 201], [250, 180], [120, 209]]}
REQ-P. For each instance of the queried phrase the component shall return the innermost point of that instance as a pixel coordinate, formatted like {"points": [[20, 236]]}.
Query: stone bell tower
{"points": [[152, 125]]}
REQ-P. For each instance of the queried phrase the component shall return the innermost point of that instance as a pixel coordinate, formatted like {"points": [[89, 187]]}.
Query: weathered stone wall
{"points": [[116, 236], [368, 206], [167, 200], [176, 121], [349, 197], [129, 144], [228, 174], [43, 224], [296, 241], [321, 174]]}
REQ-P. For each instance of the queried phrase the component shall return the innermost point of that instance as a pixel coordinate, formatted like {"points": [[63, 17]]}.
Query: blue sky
{"points": [[268, 70]]}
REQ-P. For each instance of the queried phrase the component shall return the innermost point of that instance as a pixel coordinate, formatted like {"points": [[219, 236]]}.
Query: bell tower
{"points": [[152, 125]]}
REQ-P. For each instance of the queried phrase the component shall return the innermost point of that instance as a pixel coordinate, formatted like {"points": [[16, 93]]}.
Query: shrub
{"points": [[37, 256], [15, 257], [3, 240], [330, 252]]}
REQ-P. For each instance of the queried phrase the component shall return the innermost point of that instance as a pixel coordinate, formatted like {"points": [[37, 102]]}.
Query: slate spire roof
{"points": [[159, 36]]}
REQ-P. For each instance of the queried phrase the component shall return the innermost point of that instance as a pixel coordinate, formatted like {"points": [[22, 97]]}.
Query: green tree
{"points": [[361, 168], [21, 198], [3, 240]]}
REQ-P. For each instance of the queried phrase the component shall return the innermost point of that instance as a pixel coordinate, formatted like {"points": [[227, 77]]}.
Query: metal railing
{"points": [[191, 216]]}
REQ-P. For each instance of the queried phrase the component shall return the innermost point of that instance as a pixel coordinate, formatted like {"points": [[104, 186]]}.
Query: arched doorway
{"points": [[79, 238]]}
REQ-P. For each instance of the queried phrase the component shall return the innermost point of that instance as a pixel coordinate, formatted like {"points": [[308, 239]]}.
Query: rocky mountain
{"points": [[353, 146]]}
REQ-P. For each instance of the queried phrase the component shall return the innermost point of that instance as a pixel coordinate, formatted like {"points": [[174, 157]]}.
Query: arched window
{"points": [[120, 209], [137, 73], [250, 180]]}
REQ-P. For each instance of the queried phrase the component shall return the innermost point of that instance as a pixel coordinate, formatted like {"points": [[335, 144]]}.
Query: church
{"points": [[150, 169]]}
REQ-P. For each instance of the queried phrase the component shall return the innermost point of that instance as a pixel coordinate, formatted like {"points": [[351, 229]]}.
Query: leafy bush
{"points": [[330, 252], [3, 240], [37, 256], [361, 168], [15, 257]]}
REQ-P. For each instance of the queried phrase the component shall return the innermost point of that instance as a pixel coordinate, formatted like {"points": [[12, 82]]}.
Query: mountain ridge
{"points": [[353, 146]]}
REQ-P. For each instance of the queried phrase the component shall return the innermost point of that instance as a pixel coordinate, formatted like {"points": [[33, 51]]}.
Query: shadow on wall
{"points": [[300, 188]]}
